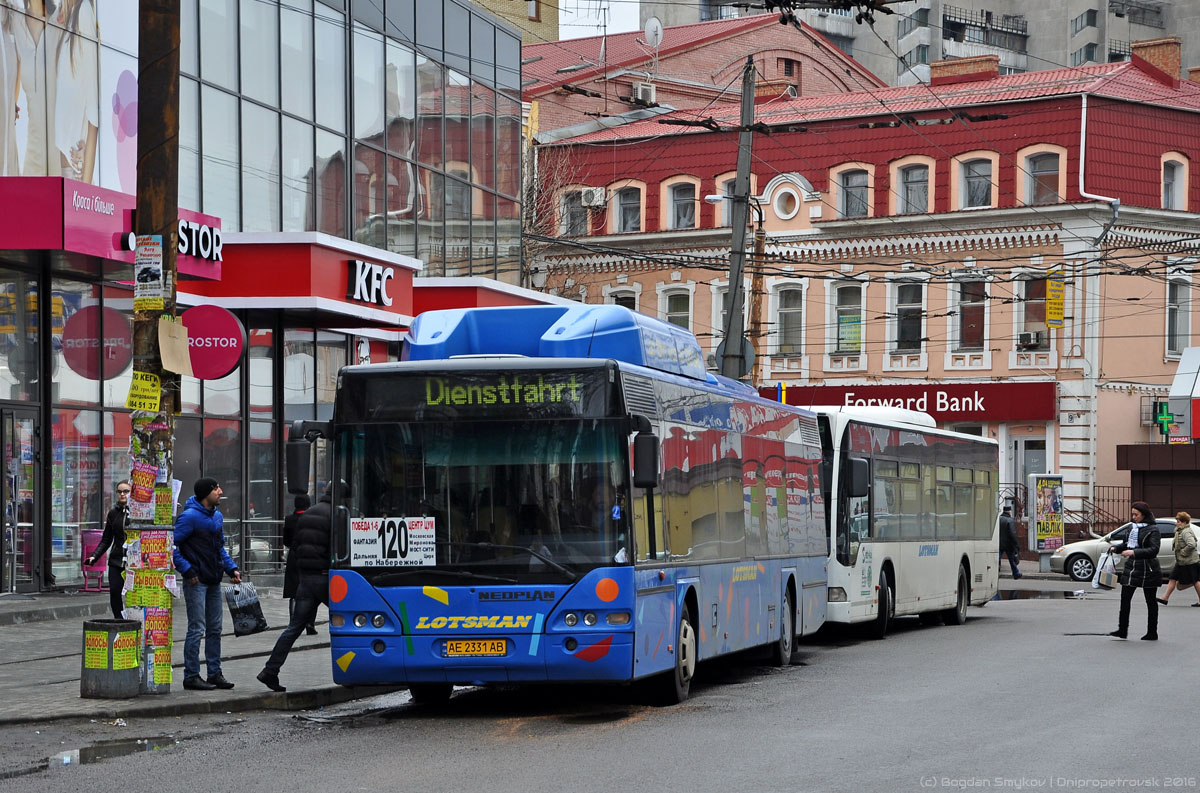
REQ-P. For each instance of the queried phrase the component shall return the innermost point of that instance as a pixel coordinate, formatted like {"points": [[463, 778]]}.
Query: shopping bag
{"points": [[1106, 573], [245, 609]]}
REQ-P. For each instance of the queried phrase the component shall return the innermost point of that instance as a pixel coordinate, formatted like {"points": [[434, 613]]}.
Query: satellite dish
{"points": [[654, 32]]}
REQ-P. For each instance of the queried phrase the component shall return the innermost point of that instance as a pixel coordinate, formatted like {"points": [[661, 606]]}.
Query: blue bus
{"points": [[563, 494]]}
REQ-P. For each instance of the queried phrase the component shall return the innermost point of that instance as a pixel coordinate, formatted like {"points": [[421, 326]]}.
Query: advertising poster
{"points": [[1047, 495], [149, 289], [95, 650], [143, 476], [158, 626], [125, 650]]}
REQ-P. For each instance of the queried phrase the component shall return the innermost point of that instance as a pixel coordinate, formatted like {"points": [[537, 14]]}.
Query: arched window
{"points": [[914, 189], [853, 194], [683, 206], [791, 320], [1043, 179], [629, 209]]}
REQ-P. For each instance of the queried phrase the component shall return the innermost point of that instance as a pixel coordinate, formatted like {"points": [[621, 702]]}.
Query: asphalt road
{"points": [[1028, 695]]}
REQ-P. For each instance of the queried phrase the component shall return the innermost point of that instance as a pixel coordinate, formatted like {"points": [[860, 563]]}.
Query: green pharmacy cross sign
{"points": [[1163, 417]]}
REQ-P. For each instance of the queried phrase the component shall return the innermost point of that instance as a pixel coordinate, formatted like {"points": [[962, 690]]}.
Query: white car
{"points": [[1079, 559]]}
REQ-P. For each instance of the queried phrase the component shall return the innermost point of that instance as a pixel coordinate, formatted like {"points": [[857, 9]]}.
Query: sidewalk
{"points": [[42, 637]]}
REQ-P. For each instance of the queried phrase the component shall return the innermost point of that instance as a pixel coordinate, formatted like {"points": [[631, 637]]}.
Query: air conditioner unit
{"points": [[592, 196], [644, 92], [1026, 341]]}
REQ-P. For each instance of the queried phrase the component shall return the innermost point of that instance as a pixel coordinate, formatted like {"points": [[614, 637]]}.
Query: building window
{"points": [[1172, 180], [1034, 334], [1085, 54], [977, 184], [683, 206], [1043, 179], [849, 318], [843, 43], [1178, 334], [914, 181], [573, 216], [788, 67], [679, 309], [727, 188], [972, 296], [853, 194], [629, 209], [1085, 20], [910, 314], [791, 320], [624, 299], [909, 23], [917, 55], [533, 10]]}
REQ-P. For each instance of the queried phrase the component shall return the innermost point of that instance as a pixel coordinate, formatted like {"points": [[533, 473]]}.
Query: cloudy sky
{"points": [[580, 18]]}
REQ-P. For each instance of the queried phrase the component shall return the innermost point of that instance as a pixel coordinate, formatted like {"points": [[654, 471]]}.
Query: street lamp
{"points": [[756, 286]]}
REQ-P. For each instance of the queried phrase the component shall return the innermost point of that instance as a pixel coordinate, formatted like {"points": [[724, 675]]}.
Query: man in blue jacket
{"points": [[200, 557]]}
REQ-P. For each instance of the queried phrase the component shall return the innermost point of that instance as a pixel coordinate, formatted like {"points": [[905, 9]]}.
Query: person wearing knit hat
{"points": [[1142, 570], [201, 558]]}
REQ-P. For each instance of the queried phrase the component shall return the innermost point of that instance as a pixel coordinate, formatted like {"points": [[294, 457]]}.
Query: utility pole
{"points": [[733, 361], [756, 293], [157, 401]]}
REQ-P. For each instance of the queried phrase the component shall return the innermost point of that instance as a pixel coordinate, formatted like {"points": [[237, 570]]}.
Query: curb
{"points": [[45, 614], [166, 705]]}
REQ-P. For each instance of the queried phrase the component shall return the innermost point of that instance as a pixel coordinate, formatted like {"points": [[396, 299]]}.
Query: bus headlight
{"points": [[618, 618], [571, 619], [360, 620], [837, 594], [378, 620], [589, 619]]}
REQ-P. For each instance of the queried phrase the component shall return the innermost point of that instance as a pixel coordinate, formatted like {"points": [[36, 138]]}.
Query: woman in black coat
{"points": [[291, 573], [1142, 570], [114, 537]]}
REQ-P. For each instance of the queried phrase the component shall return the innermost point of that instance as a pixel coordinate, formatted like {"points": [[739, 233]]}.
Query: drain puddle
{"points": [[95, 753]]}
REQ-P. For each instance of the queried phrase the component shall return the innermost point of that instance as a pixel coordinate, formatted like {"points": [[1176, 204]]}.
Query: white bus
{"points": [[912, 517]]}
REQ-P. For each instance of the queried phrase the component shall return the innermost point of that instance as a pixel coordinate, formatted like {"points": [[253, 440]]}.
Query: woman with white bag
{"points": [[1142, 570]]}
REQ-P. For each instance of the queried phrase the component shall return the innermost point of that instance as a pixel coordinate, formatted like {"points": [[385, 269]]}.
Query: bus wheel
{"points": [[429, 693], [678, 682], [887, 608], [781, 652], [958, 614]]}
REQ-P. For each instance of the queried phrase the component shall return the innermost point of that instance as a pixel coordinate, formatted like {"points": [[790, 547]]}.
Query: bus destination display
{"points": [[392, 542]]}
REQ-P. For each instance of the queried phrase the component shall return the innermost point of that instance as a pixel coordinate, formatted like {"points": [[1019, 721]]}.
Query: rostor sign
{"points": [[216, 339]]}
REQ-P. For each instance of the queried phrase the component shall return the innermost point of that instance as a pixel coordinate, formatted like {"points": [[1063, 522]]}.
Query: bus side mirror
{"points": [[860, 478], [645, 460], [298, 453]]}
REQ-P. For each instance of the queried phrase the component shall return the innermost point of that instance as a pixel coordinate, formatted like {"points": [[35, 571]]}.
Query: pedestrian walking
{"points": [[1142, 570], [1187, 559], [200, 557], [1009, 546], [114, 537], [291, 572], [311, 549]]}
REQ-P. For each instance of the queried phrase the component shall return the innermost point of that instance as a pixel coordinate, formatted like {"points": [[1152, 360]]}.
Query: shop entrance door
{"points": [[1029, 457], [23, 541]]}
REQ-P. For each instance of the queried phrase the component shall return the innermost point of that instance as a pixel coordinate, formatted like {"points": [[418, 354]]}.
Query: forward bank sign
{"points": [[944, 401]]}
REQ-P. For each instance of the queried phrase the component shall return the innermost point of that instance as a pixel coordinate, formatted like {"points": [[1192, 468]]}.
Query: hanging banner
{"points": [[1055, 298]]}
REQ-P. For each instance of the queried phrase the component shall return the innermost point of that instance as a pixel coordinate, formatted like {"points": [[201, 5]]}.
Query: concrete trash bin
{"points": [[111, 666]]}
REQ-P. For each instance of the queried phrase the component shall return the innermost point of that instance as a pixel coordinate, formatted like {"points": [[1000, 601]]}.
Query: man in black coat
{"points": [[1008, 541], [114, 536], [310, 547], [291, 572]]}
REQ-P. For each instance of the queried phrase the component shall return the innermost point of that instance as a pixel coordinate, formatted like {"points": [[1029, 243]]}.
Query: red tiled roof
{"points": [[1123, 81], [621, 50]]}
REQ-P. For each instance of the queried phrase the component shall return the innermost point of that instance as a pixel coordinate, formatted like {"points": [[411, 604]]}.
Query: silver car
{"points": [[1079, 559]]}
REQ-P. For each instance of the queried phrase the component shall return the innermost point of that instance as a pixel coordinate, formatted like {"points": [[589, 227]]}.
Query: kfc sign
{"points": [[368, 283]]}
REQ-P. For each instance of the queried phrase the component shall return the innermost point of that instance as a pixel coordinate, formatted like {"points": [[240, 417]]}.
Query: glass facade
{"points": [[399, 130]]}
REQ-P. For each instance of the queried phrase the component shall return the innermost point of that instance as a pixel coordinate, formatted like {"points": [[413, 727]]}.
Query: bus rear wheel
{"points": [[781, 652], [429, 693], [887, 608], [958, 614], [677, 684]]}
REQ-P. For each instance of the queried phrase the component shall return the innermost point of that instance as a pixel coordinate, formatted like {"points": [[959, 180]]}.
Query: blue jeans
{"points": [[204, 608], [310, 594]]}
